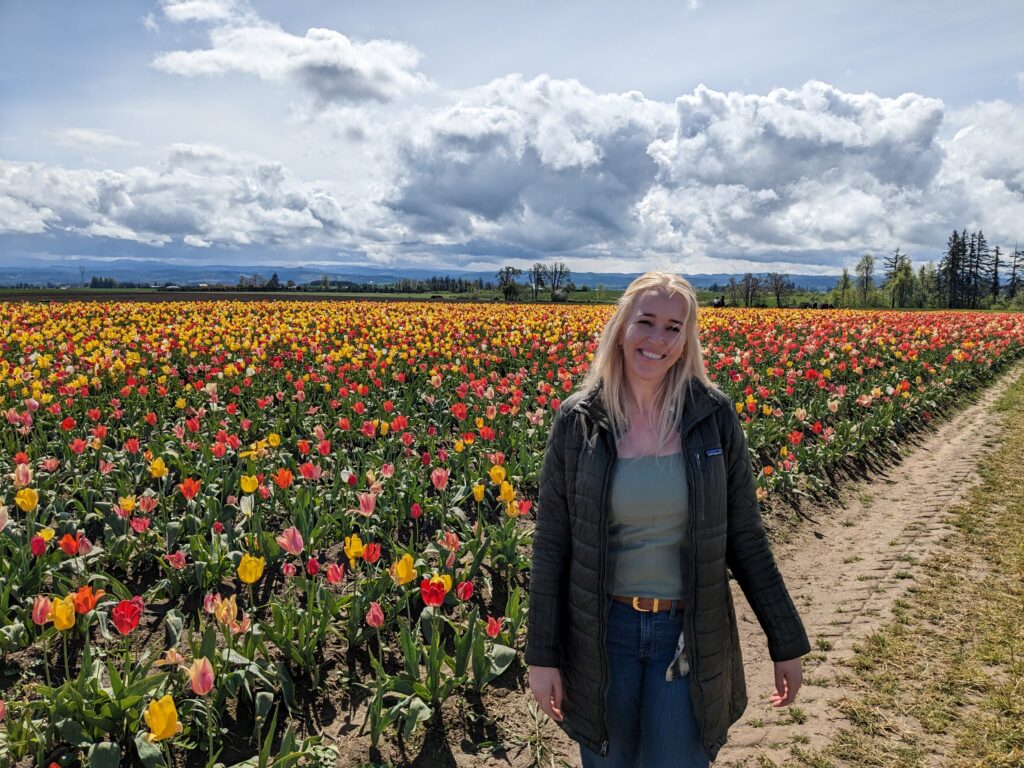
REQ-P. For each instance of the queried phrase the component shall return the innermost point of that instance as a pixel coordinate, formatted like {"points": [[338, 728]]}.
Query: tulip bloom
{"points": [[250, 568], [367, 503], [432, 591], [225, 610], [85, 598], [291, 541], [38, 546], [41, 608], [375, 616], [126, 614], [162, 718], [283, 478], [497, 475], [493, 626], [190, 488], [335, 573], [63, 613], [27, 499], [478, 492], [312, 566], [439, 477], [249, 483], [157, 468], [200, 675], [353, 549], [404, 570], [371, 553], [69, 543], [465, 590]]}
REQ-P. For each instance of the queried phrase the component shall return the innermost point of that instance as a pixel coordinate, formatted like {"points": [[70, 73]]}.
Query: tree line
{"points": [[970, 275], [556, 277]]}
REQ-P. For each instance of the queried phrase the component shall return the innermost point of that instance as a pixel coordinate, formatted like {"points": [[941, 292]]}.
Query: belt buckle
{"points": [[636, 606]]}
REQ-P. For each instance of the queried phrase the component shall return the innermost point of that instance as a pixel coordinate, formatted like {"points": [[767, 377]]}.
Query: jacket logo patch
{"points": [[714, 452]]}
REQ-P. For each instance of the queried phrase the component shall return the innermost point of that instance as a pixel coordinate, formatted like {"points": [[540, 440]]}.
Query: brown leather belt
{"points": [[649, 604]]}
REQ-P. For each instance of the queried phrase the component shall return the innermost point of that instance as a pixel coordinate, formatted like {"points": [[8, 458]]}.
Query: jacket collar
{"points": [[699, 404]]}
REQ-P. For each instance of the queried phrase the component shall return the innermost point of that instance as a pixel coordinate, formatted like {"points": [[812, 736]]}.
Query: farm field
{"points": [[229, 525]]}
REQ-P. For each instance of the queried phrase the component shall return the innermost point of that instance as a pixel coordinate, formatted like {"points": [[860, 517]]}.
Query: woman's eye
{"points": [[644, 322], [675, 328]]}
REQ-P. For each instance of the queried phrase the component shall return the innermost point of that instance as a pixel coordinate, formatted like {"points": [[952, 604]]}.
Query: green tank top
{"points": [[647, 527]]}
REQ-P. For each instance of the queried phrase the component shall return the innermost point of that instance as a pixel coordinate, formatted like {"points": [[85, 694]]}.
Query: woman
{"points": [[646, 495]]}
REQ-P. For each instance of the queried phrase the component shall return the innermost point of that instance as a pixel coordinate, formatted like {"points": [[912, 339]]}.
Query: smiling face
{"points": [[653, 340]]}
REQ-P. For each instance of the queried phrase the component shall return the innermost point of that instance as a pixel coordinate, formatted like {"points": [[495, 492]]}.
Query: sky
{"points": [[701, 136]]}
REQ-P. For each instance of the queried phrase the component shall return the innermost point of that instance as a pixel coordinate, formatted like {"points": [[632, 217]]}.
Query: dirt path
{"points": [[846, 572]]}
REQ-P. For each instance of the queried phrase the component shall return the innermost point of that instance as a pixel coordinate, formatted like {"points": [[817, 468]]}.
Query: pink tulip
{"points": [[335, 573], [439, 477], [367, 503], [41, 610], [289, 570], [291, 541], [375, 616], [200, 674], [4, 517]]}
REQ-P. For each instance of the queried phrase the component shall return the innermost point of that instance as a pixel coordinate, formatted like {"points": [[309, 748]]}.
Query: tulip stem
{"points": [[46, 658], [67, 669], [209, 729]]}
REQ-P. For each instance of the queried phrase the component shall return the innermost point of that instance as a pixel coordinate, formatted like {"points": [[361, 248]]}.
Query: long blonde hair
{"points": [[607, 371]]}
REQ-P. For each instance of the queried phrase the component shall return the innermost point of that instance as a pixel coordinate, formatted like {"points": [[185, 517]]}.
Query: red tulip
{"points": [[464, 590], [126, 614], [493, 626], [375, 616], [190, 488], [335, 573], [432, 592]]}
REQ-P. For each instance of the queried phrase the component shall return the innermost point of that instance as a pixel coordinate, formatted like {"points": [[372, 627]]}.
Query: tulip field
{"points": [[214, 516]]}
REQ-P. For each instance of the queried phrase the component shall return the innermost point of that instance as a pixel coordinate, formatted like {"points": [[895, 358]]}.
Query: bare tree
{"points": [[538, 274], [865, 270], [558, 276], [735, 293], [751, 286], [780, 285]]}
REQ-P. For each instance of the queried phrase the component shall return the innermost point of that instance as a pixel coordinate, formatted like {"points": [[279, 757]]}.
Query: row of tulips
{"points": [[249, 493]]}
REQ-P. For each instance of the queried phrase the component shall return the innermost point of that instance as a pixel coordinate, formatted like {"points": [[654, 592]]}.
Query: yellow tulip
{"points": [[226, 610], [497, 475], [179, 403], [274, 439], [507, 493], [46, 533], [63, 612], [162, 719], [27, 499], [478, 492], [353, 549], [404, 570], [460, 446], [157, 467], [250, 568], [249, 483]]}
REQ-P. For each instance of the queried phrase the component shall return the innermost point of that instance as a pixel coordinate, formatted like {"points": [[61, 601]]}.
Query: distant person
{"points": [[646, 495]]}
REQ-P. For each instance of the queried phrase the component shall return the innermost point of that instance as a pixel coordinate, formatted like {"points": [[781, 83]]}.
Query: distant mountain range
{"points": [[71, 273]]}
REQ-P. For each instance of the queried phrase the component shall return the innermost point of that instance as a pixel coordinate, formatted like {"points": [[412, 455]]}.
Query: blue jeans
{"points": [[650, 721]]}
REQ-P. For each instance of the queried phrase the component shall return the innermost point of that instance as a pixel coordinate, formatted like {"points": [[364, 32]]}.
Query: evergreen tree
{"points": [[1013, 287], [993, 273], [865, 270]]}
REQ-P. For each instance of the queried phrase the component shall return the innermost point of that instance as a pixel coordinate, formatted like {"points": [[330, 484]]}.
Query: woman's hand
{"points": [[788, 677], [546, 684]]}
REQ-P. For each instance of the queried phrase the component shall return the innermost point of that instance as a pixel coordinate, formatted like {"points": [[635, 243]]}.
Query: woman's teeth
{"points": [[650, 355]]}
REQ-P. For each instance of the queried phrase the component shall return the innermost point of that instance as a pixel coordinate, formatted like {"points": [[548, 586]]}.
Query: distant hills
{"points": [[132, 270]]}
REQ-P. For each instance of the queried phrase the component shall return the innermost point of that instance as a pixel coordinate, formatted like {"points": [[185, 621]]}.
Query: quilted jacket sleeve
{"points": [[551, 549], [750, 557]]}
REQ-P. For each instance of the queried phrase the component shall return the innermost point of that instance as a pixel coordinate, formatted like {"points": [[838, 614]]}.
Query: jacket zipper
{"points": [[690, 624], [602, 565], [700, 479]]}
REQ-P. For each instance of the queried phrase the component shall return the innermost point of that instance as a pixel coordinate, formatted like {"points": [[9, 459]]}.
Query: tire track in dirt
{"points": [[846, 572]]}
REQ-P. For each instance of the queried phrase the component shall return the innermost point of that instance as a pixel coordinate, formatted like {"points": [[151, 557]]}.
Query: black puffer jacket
{"points": [[568, 595]]}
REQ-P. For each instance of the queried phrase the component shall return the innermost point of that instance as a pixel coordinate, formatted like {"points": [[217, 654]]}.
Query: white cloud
{"points": [[150, 23], [92, 139], [199, 10], [333, 68]]}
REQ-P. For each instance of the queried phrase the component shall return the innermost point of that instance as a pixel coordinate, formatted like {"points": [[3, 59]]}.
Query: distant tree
{"points": [[780, 285], [538, 275], [1013, 286], [274, 283], [865, 270], [558, 275], [507, 282], [843, 287], [751, 286], [993, 274], [735, 292]]}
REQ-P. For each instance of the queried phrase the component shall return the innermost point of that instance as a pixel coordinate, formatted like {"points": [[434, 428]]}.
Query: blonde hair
{"points": [[607, 371]]}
